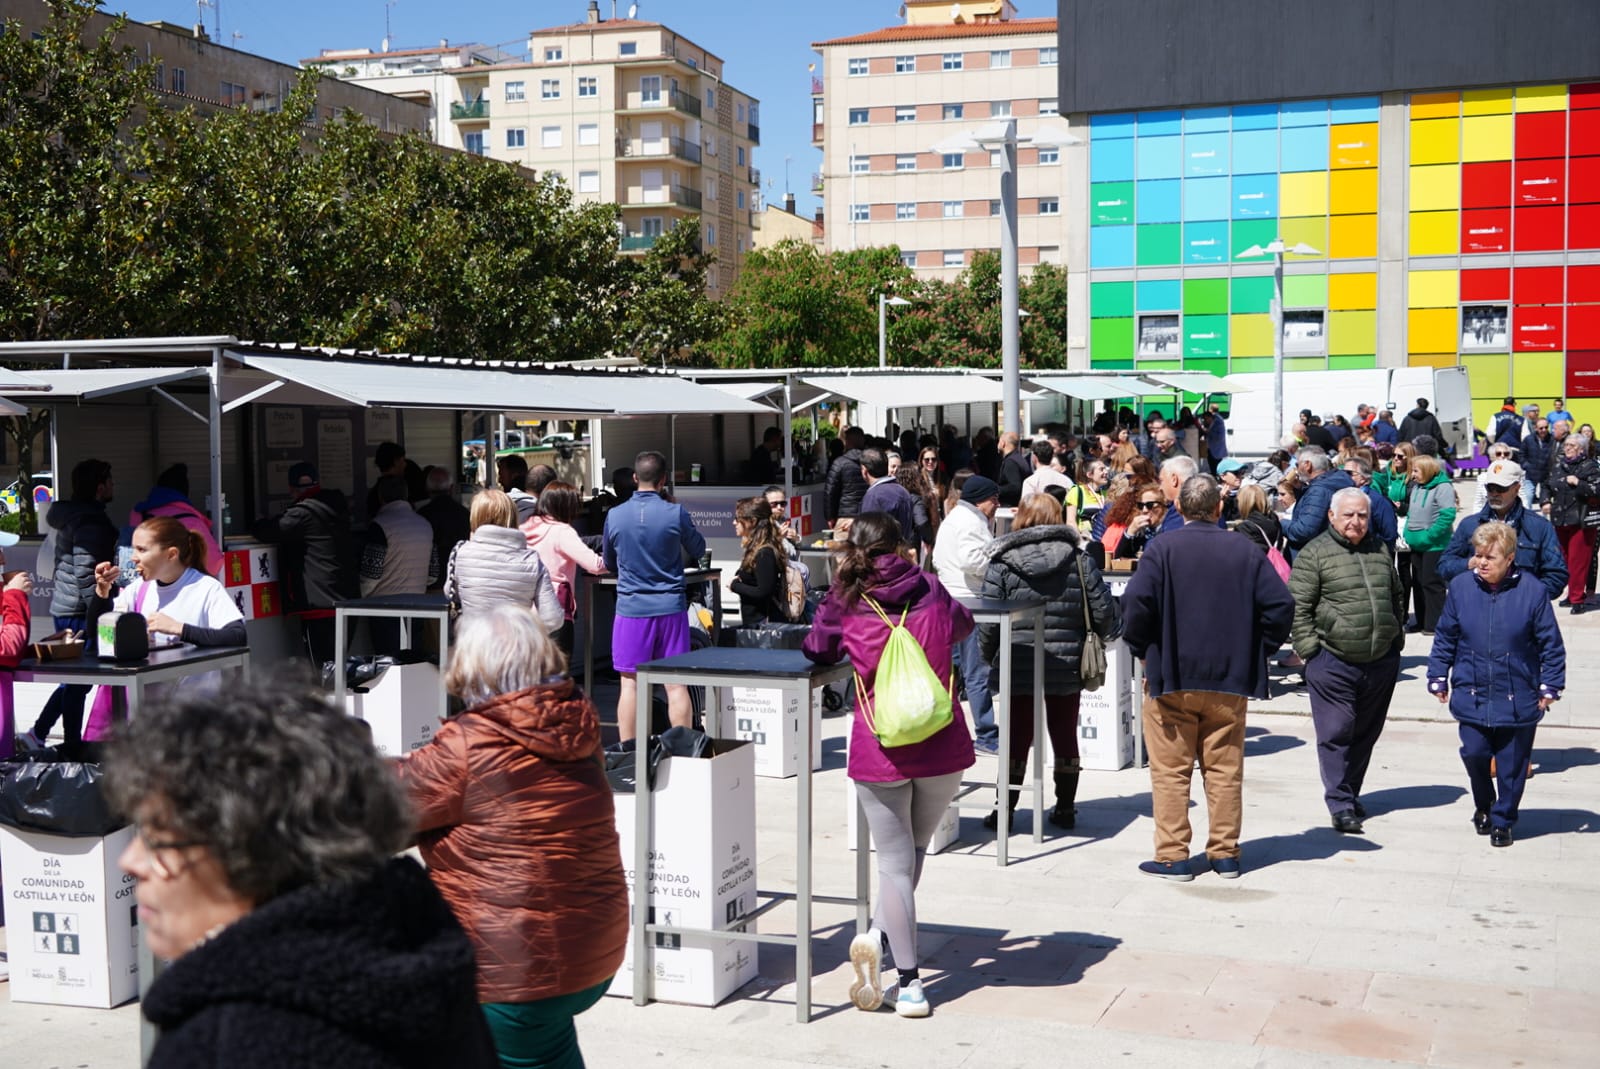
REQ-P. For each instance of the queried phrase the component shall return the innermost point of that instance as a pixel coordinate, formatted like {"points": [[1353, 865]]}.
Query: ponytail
{"points": [[196, 556]]}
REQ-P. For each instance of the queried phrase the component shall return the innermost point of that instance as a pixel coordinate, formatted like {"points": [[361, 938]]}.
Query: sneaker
{"points": [[1177, 871], [866, 957], [1226, 867], [988, 746], [911, 1001], [28, 741]]}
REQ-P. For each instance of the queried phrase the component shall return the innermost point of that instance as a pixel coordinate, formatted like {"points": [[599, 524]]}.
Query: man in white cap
{"points": [[1538, 550]]}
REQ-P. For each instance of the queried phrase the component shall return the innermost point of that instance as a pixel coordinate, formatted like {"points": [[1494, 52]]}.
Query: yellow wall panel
{"points": [[1541, 376], [1353, 236], [1435, 233], [1435, 105], [1432, 360], [1486, 137], [1352, 291], [1486, 102], [1435, 189], [1432, 330], [1310, 230], [1433, 289], [1303, 193], [1353, 145], [1354, 192], [1583, 411], [1250, 335], [1541, 98], [1436, 141], [1352, 333], [1490, 375]]}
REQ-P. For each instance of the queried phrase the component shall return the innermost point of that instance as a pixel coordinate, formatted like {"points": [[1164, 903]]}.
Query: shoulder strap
{"points": [[1083, 580], [138, 597]]}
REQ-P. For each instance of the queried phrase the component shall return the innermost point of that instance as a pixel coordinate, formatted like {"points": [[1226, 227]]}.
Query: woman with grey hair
{"points": [[1574, 482], [515, 823], [265, 828]]}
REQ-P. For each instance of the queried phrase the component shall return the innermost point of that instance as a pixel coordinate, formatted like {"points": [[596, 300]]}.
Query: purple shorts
{"points": [[636, 640]]}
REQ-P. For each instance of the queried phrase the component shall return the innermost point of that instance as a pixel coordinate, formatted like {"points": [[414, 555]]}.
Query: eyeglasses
{"points": [[930, 459], [163, 866], [1146, 506]]}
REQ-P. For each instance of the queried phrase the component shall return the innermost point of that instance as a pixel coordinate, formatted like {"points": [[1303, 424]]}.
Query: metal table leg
{"points": [[642, 958], [1002, 777], [1038, 726], [802, 896]]}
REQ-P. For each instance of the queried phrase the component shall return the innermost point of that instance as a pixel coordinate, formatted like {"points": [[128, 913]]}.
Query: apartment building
{"points": [[191, 70], [887, 99], [424, 75], [626, 112]]}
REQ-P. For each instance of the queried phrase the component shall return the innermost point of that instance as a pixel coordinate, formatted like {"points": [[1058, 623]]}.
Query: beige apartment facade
{"points": [[418, 74], [887, 99], [626, 112]]}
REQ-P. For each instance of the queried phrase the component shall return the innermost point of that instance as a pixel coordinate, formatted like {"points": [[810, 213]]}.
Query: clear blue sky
{"points": [[765, 43]]}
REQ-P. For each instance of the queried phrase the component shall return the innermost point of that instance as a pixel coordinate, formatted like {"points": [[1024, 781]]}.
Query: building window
{"points": [[180, 80], [952, 160], [739, 112], [1047, 57], [711, 99], [1000, 109], [905, 113], [755, 115], [588, 133], [550, 89], [1049, 154], [628, 48], [905, 210], [908, 259], [588, 181], [857, 67], [999, 60], [1049, 107], [711, 234], [858, 116], [709, 142], [955, 111], [588, 87], [553, 55], [1049, 205], [905, 64], [997, 157], [550, 137], [952, 209], [953, 61], [516, 91], [740, 155], [954, 258], [994, 208], [858, 213], [743, 199], [711, 187], [233, 95], [517, 137], [906, 162], [651, 226], [650, 90], [473, 143], [859, 164]]}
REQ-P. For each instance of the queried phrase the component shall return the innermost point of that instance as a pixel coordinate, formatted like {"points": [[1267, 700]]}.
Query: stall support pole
{"points": [[489, 480], [597, 461], [788, 438], [672, 449], [215, 435]]}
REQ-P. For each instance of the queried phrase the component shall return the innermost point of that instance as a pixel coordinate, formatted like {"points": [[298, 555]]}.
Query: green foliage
{"points": [[14, 523], [125, 218]]}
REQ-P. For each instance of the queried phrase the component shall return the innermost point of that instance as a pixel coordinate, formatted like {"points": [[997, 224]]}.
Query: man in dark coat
{"points": [[1202, 612], [1016, 464], [1323, 480], [450, 519], [845, 486], [317, 555], [1538, 549], [1536, 447], [1420, 421]]}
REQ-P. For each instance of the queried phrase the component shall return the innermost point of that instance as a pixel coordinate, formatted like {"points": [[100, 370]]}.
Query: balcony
{"points": [[755, 133], [658, 148], [470, 111], [816, 133], [638, 242], [683, 102], [661, 100], [816, 181], [816, 86], [681, 196], [755, 177]]}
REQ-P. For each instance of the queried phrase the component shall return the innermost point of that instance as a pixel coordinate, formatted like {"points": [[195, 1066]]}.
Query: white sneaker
{"points": [[911, 1001], [866, 957]]}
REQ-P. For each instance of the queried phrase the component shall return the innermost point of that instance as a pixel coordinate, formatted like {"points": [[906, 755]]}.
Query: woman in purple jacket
{"points": [[904, 790]]}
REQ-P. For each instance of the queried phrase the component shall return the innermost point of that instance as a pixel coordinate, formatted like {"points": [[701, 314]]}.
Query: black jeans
{"points": [[1349, 705]]}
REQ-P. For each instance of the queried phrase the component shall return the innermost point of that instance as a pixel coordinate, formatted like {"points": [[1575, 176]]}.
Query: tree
{"points": [[958, 324], [24, 431]]}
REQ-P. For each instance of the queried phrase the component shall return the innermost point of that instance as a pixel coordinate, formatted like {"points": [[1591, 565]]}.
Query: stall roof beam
{"points": [[1097, 388], [909, 390], [91, 384]]}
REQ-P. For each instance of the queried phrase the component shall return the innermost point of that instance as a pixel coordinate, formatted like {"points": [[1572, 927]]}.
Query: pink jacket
{"points": [[563, 553], [16, 619]]}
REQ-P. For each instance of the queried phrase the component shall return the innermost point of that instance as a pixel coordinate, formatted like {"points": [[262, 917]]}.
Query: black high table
{"points": [[797, 677]]}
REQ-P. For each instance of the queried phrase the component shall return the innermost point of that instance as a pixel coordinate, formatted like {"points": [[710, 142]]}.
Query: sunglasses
{"points": [[930, 460], [1145, 506]]}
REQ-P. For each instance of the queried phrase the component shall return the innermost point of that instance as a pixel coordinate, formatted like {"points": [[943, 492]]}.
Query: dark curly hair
{"points": [[285, 789]]}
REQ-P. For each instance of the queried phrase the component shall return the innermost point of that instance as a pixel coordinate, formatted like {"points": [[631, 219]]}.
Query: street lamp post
{"points": [[1276, 248], [884, 301], [1003, 136]]}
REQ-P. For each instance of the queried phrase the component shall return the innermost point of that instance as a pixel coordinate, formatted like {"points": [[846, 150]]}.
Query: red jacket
{"points": [[16, 620], [515, 823]]}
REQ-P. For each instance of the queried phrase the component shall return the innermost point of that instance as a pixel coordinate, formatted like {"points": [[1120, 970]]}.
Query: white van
{"points": [[1250, 423]]}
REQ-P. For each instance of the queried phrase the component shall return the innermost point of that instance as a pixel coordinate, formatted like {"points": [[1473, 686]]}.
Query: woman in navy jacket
{"points": [[1499, 661]]}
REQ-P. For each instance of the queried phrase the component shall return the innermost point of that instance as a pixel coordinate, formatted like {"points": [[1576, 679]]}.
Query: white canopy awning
{"points": [[1096, 388], [893, 390], [1196, 382], [19, 382], [87, 384], [748, 391]]}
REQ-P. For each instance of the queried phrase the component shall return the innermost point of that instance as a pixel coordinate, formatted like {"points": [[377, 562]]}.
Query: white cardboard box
{"points": [[1105, 716], [402, 708], [703, 872], [71, 920], [752, 713]]}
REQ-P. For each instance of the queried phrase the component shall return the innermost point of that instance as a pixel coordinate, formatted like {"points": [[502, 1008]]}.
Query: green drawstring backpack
{"points": [[909, 705]]}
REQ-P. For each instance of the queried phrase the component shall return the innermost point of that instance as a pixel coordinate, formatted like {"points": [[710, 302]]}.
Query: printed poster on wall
{"points": [[336, 455], [285, 428], [382, 426]]}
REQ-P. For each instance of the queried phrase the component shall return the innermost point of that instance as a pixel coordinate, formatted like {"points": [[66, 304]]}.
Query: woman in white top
{"points": [[496, 567]]}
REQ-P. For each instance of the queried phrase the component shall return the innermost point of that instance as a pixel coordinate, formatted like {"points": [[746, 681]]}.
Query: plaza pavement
{"points": [[1416, 944]]}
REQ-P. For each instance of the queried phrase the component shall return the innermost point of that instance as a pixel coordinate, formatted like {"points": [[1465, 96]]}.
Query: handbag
{"points": [[97, 723], [1092, 666]]}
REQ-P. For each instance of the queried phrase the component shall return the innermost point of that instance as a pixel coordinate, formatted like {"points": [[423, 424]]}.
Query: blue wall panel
{"points": [[1160, 295], [1205, 155], [1355, 109], [1205, 120], [1111, 246], [1203, 243], [1255, 117], [1304, 113], [1119, 124], [1255, 152], [1205, 198], [1112, 161], [1305, 148], [1159, 123], [1158, 157], [1157, 202], [1255, 196]]}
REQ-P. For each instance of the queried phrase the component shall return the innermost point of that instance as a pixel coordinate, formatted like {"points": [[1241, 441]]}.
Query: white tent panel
{"points": [[1196, 382], [909, 391], [1096, 388], [87, 384]]}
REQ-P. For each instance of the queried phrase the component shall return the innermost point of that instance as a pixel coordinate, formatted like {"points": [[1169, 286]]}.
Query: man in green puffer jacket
{"points": [[1348, 613]]}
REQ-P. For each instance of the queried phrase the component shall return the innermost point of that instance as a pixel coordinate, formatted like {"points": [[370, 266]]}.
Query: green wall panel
{"points": [[1158, 244], [1111, 339], [1243, 365], [1252, 295], [1352, 363], [1205, 296], [1305, 291], [1305, 363], [1248, 232], [1205, 336], [1110, 299], [1214, 365], [1100, 364], [1161, 365], [1110, 203]]}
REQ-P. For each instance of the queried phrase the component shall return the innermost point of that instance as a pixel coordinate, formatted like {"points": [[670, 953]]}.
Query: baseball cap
{"points": [[1503, 473], [978, 489], [1231, 464], [302, 475]]}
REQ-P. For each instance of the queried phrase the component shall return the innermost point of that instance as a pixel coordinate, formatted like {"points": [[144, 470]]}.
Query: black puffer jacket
{"points": [[85, 536], [1041, 564], [1568, 503], [317, 550], [846, 486], [373, 975]]}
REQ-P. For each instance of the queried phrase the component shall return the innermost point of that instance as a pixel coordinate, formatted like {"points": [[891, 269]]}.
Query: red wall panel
{"points": [[1583, 179], [1540, 182], [1583, 373], [1541, 134], [1486, 230], [1539, 285], [1583, 284], [1583, 228], [1537, 229], [1486, 284], [1536, 329], [1486, 185], [1585, 136], [1583, 326], [1586, 95]]}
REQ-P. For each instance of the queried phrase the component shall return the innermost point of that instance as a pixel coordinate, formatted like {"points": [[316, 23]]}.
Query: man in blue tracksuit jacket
{"points": [[1538, 552], [1311, 511]]}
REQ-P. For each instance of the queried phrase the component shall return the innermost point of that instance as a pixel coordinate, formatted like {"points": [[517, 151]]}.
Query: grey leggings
{"points": [[903, 815]]}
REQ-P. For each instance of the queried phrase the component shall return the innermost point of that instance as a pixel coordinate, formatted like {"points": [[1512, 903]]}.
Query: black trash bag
{"points": [[362, 671], [674, 742], [771, 636], [45, 792]]}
